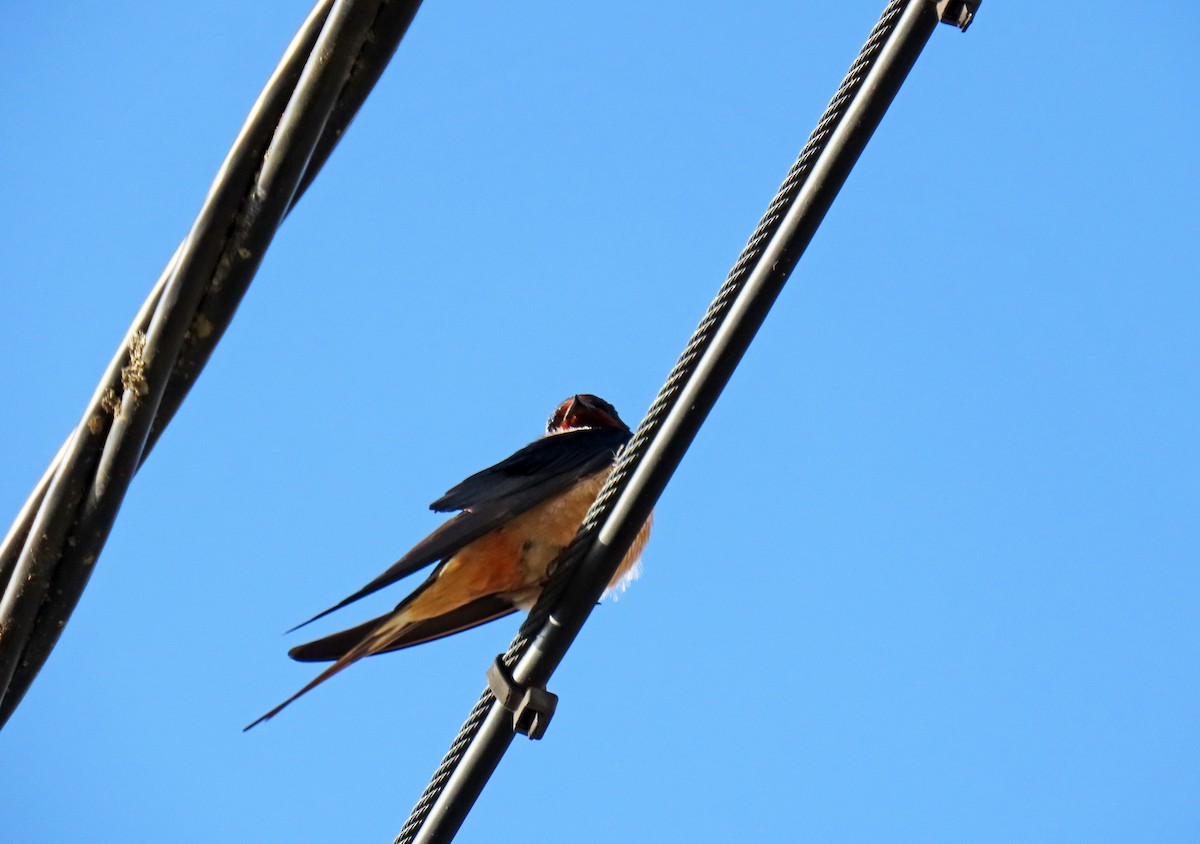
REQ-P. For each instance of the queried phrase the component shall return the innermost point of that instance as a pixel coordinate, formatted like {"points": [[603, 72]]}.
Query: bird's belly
{"points": [[549, 528], [515, 559]]}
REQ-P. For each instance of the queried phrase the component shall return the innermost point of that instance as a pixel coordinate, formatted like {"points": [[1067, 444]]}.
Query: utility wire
{"points": [[51, 548], [646, 464]]}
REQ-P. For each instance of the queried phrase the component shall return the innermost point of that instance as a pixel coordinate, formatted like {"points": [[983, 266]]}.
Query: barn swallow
{"points": [[495, 556]]}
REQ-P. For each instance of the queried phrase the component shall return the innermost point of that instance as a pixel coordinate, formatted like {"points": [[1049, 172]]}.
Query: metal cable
{"points": [[690, 390], [50, 550]]}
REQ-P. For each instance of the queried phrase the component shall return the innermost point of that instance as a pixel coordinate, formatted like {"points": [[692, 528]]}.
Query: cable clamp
{"points": [[532, 707], [958, 13]]}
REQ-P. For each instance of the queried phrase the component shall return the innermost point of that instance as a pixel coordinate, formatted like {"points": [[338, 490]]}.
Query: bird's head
{"points": [[584, 411]]}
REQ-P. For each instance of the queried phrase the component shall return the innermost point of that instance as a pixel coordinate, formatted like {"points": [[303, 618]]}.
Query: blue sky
{"points": [[929, 573]]}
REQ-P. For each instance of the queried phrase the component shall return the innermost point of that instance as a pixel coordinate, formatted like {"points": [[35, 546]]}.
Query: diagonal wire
{"points": [[644, 467], [51, 548]]}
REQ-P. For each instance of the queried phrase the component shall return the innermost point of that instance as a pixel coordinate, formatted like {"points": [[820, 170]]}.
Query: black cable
{"points": [[645, 466], [49, 552]]}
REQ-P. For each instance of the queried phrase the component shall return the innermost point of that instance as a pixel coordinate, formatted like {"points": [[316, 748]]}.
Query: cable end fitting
{"points": [[532, 707], [958, 13]]}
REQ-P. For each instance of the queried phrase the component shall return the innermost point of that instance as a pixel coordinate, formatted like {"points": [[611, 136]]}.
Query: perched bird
{"points": [[495, 556]]}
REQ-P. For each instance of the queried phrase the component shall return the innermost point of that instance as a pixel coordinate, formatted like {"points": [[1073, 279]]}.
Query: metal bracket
{"points": [[958, 13], [532, 707]]}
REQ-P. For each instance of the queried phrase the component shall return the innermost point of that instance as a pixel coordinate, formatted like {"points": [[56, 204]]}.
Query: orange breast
{"points": [[514, 560]]}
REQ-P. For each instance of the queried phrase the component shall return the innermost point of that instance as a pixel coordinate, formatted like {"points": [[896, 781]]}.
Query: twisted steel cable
{"points": [[51, 548], [335, 59], [645, 465]]}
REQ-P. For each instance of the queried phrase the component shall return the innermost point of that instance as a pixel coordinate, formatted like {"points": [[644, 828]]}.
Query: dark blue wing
{"points": [[335, 645], [571, 454], [492, 497]]}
